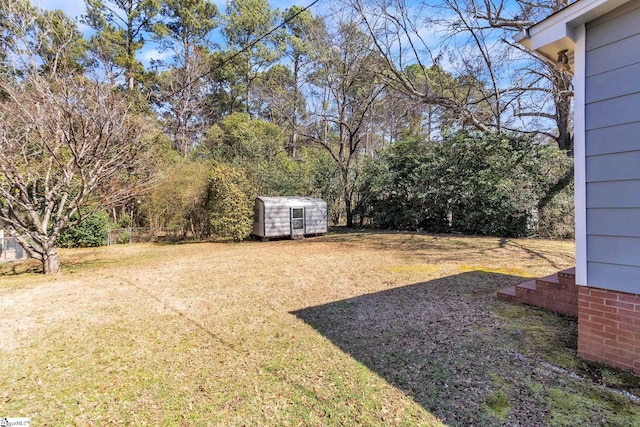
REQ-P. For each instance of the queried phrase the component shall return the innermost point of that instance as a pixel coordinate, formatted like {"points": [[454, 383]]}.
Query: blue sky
{"points": [[76, 8], [430, 32], [71, 8]]}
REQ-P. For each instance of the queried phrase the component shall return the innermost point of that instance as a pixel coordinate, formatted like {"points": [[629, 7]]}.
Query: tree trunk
{"points": [[50, 261], [247, 93], [562, 98], [347, 197], [294, 120], [347, 206], [562, 183]]}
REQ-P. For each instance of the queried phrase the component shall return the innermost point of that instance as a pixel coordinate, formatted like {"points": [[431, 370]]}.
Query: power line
{"points": [[253, 43]]}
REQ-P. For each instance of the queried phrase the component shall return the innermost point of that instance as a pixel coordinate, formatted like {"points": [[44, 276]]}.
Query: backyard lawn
{"points": [[346, 329]]}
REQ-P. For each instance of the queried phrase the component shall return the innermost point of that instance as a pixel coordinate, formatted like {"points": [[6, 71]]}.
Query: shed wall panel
{"points": [[276, 215], [258, 218], [277, 221], [316, 219]]}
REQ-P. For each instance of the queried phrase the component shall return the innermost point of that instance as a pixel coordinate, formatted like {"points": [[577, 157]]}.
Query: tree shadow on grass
{"points": [[443, 343], [16, 268], [399, 240]]}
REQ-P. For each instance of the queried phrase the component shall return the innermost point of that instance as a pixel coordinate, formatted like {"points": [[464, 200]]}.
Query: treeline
{"points": [[175, 114], [468, 182]]}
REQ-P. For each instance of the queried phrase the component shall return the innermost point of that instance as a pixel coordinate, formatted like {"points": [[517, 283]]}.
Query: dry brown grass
{"points": [[347, 329]]}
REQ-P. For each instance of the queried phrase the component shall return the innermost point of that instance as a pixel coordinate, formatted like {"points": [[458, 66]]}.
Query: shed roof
{"points": [[290, 199]]}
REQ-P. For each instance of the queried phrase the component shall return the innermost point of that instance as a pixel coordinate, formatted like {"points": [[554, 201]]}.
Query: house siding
{"points": [[612, 139]]}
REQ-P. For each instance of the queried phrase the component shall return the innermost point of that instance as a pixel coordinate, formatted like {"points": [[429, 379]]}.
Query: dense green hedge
{"points": [[229, 202], [470, 182], [91, 231]]}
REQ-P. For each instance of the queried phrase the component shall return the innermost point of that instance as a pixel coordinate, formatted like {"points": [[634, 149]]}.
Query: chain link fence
{"points": [[10, 250], [121, 236]]}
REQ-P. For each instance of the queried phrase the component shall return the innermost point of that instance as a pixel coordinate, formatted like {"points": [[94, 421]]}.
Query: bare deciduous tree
{"points": [[343, 116], [413, 68], [496, 82], [68, 144], [64, 144], [497, 86]]}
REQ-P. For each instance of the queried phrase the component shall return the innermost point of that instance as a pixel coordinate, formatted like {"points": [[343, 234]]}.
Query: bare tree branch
{"points": [[68, 144]]}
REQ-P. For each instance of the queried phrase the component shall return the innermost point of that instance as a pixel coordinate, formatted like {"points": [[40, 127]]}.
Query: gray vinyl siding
{"points": [[272, 216], [612, 117], [613, 111], [605, 194], [608, 57], [600, 275], [614, 250], [613, 222], [619, 82], [614, 166], [316, 219], [613, 139]]}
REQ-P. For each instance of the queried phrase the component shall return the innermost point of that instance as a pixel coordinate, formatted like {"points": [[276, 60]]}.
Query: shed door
{"points": [[297, 221]]}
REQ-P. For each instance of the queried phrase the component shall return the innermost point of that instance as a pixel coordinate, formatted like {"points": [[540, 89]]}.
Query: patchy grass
{"points": [[511, 271], [498, 403], [594, 408], [347, 329], [425, 268]]}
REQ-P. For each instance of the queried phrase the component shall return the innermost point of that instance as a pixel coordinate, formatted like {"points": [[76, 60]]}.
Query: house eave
{"points": [[556, 33]]}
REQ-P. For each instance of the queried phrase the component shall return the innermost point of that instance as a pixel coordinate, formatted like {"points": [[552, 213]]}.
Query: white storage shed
{"points": [[293, 217]]}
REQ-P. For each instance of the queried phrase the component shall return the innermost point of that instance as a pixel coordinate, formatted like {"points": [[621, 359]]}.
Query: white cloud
{"points": [[74, 9], [146, 55]]}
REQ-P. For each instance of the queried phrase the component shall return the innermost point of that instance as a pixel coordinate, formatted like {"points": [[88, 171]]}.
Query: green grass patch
{"points": [[589, 406], [497, 400], [414, 268], [498, 403], [544, 334]]}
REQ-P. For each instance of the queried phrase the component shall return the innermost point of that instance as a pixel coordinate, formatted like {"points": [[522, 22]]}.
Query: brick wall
{"points": [[609, 327]]}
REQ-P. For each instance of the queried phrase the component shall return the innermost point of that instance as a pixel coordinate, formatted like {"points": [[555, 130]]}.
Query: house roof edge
{"points": [[555, 33]]}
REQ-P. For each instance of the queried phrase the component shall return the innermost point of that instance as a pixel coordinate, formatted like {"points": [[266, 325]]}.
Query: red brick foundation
{"points": [[609, 327]]}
